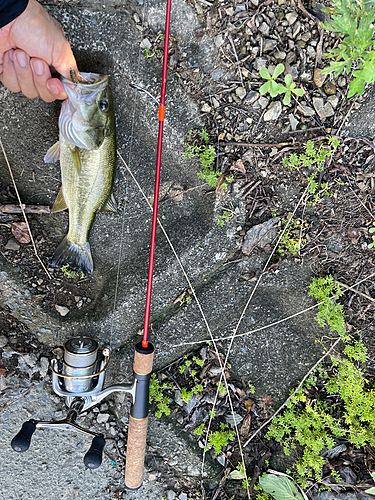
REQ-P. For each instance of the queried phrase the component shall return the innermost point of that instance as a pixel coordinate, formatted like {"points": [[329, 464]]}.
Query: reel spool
{"points": [[80, 381]]}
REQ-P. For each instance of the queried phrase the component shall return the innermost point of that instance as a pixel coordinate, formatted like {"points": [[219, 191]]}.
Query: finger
{"points": [[56, 88], [65, 60], [41, 75], [24, 74], [10, 79]]}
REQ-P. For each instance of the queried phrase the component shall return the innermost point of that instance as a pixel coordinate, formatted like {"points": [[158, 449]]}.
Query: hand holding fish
{"points": [[29, 45]]}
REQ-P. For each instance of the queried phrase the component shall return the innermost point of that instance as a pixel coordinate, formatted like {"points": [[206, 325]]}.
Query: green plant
{"points": [[371, 491], [226, 216], [70, 273], [157, 396], [354, 20], [219, 439], [206, 154], [149, 54], [275, 88], [280, 487], [199, 430], [372, 230], [288, 242], [313, 157], [314, 423], [326, 291]]}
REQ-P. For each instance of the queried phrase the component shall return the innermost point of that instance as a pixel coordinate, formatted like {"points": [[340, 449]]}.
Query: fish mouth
{"points": [[88, 80]]}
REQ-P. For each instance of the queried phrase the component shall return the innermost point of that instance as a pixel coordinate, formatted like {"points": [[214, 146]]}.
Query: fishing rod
{"points": [[144, 351]]}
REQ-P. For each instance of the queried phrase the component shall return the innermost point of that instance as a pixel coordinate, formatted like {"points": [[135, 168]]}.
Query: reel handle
{"points": [[138, 419], [93, 457], [21, 441]]}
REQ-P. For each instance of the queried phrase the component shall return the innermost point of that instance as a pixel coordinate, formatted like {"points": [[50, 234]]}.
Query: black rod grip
{"points": [[93, 457], [22, 440]]}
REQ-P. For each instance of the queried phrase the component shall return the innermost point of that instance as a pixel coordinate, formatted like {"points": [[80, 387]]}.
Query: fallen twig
{"points": [[28, 209], [23, 211]]}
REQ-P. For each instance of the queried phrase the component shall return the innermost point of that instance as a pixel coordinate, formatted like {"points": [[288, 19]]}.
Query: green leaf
{"points": [[287, 99], [298, 92], [264, 88], [274, 88], [236, 474], [280, 487], [278, 70], [264, 73], [288, 79], [371, 491]]}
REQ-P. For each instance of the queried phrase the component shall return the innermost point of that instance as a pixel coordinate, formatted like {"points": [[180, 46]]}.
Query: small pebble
{"points": [[62, 310], [3, 341]]}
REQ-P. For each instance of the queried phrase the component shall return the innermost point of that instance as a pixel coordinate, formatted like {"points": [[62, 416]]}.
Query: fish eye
{"points": [[103, 105]]}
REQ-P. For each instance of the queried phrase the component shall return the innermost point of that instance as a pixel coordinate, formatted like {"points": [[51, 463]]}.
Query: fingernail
{"points": [[22, 59], [54, 89], [38, 67]]}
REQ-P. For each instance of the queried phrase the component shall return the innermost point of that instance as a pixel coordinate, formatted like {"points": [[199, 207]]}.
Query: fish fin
{"points": [[53, 154], [76, 256], [110, 205], [60, 203], [76, 158]]}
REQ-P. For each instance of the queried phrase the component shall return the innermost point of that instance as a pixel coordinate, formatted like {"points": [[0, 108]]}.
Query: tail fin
{"points": [[77, 257]]}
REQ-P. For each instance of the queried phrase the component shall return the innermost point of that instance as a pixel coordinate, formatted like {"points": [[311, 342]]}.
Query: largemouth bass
{"points": [[87, 153]]}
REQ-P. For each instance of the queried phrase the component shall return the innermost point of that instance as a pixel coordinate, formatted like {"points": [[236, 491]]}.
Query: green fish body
{"points": [[87, 153]]}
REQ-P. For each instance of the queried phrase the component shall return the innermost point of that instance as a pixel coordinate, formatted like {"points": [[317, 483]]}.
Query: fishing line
{"points": [[126, 192]]}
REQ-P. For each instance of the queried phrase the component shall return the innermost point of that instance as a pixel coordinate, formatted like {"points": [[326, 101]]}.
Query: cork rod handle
{"points": [[138, 419]]}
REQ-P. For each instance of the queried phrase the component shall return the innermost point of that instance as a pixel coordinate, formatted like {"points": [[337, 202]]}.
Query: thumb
{"points": [[64, 60]]}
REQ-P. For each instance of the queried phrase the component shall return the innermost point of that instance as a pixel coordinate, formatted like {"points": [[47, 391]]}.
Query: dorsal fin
{"points": [[60, 203]]}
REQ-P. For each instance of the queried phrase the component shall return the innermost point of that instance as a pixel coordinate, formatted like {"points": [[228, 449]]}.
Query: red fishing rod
{"points": [[144, 351]]}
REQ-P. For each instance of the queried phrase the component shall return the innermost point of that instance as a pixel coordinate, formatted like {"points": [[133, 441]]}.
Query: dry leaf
{"points": [[2, 372], [245, 427], [248, 404], [220, 182], [267, 400], [20, 232], [319, 79], [239, 166]]}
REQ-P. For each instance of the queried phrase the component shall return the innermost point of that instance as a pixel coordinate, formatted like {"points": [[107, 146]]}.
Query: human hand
{"points": [[29, 45]]}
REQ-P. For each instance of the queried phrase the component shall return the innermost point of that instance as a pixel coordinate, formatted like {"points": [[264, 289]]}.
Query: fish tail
{"points": [[78, 257]]}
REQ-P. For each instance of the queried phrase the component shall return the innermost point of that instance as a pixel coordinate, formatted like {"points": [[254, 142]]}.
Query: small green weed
{"points": [[275, 88], [313, 157], [372, 230], [354, 20], [289, 242], [326, 291], [206, 154], [157, 396], [199, 430], [191, 373], [148, 53], [226, 216], [218, 439], [70, 273]]}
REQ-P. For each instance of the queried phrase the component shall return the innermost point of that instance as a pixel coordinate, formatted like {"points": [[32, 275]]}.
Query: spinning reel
{"points": [[80, 380]]}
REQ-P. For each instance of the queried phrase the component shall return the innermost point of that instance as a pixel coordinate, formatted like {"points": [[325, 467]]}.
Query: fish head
{"points": [[87, 115]]}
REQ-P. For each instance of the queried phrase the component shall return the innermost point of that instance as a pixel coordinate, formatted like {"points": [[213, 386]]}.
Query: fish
{"points": [[87, 153]]}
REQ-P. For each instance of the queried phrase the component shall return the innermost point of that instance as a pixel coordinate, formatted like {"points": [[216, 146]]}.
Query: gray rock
{"points": [[273, 112], [62, 310], [3, 341], [13, 245], [291, 17], [324, 110], [260, 235], [219, 40], [260, 62], [251, 97], [102, 418], [263, 102], [269, 44], [171, 495], [306, 110], [241, 92]]}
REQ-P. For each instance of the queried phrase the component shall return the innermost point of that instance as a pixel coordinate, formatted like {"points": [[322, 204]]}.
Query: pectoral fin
{"points": [[110, 205], [60, 203], [76, 158], [53, 154]]}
